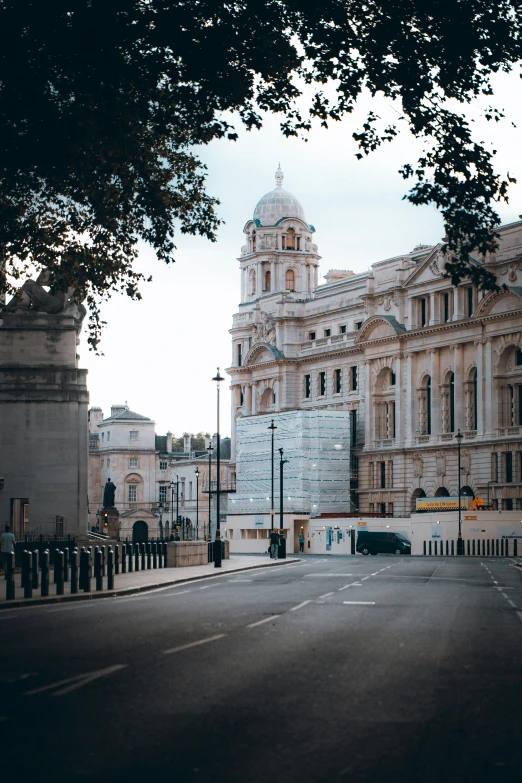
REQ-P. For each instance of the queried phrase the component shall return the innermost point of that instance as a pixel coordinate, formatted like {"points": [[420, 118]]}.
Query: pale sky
{"points": [[160, 354]]}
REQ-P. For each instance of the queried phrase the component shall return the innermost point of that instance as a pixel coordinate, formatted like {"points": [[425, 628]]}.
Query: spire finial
{"points": [[279, 176]]}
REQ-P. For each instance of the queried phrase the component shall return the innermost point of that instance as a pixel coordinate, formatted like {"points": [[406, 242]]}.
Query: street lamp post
{"points": [[272, 428], [172, 485], [209, 449], [197, 503], [281, 463], [177, 499], [217, 542], [460, 542]]}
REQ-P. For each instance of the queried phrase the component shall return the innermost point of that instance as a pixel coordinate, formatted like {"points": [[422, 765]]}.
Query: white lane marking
{"points": [[503, 595], [173, 595], [294, 608], [233, 581], [356, 584], [344, 587], [194, 644], [359, 603], [364, 578], [375, 574], [495, 582], [326, 595], [320, 576], [206, 587], [77, 682], [266, 620], [510, 602], [519, 616]]}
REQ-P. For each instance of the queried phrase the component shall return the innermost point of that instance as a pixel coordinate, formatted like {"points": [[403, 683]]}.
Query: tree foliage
{"points": [[102, 106]]}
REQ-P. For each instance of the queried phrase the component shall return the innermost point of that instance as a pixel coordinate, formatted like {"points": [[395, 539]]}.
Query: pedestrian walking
{"points": [[274, 544], [7, 542], [301, 542]]}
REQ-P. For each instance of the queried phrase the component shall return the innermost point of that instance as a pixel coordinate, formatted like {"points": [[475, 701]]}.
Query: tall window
{"points": [[190, 490], [108, 436], [342, 329], [290, 239], [353, 429], [446, 307], [268, 277], [290, 280], [322, 384], [239, 354], [452, 402], [474, 400], [133, 493], [469, 300], [518, 357], [353, 378], [428, 406], [163, 494], [133, 462], [307, 387], [337, 381], [134, 434], [509, 467], [382, 467], [252, 280], [163, 465], [423, 312]]}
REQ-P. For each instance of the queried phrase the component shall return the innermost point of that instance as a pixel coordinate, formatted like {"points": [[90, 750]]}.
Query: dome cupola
{"points": [[278, 204]]}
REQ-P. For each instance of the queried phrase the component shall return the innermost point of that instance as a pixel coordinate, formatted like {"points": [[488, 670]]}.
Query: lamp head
{"points": [[197, 471], [459, 436], [218, 378], [272, 426]]}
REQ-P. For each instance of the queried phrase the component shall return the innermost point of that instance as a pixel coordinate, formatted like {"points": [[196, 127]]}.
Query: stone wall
{"points": [[183, 554]]}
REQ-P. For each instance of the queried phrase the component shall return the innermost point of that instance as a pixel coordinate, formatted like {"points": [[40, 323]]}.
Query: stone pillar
{"points": [[480, 388], [368, 413], [458, 370], [43, 423], [434, 309], [489, 419], [399, 415], [248, 399], [253, 398], [410, 404], [435, 392], [458, 304]]}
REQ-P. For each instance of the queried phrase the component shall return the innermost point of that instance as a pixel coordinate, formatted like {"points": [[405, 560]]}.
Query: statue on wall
{"points": [[33, 297], [264, 331], [108, 494]]}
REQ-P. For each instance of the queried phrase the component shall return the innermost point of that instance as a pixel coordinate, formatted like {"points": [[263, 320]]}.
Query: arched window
{"points": [[290, 280], [252, 278], [442, 492], [428, 406], [452, 402], [290, 239], [267, 281], [253, 241], [473, 417]]}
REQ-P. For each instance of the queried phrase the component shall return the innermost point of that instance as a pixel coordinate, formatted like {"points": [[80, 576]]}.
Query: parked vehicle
{"points": [[370, 543]]}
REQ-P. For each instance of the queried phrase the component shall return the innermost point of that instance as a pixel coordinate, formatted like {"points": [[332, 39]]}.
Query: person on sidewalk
{"points": [[301, 542], [7, 542], [274, 544]]}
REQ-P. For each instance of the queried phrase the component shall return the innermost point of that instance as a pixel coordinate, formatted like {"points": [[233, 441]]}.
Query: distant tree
{"points": [[198, 442], [102, 105], [177, 444]]}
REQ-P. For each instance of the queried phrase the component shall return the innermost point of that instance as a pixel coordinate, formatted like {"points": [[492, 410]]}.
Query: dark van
{"points": [[369, 543]]}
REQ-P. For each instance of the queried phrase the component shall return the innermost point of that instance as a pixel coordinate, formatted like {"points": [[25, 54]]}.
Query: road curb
{"points": [[66, 599]]}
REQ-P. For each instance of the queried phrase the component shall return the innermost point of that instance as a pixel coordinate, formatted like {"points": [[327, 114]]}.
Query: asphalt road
{"points": [[341, 669]]}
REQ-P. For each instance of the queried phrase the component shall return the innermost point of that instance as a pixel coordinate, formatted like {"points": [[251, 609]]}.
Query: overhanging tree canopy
{"points": [[103, 104]]}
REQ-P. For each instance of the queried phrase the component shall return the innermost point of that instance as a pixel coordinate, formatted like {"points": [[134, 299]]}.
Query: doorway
{"points": [[140, 532], [301, 527]]}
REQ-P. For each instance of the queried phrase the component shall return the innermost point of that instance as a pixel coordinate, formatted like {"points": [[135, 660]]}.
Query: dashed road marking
{"points": [[510, 602], [265, 620], [326, 595], [359, 603], [73, 683], [519, 616], [299, 606], [190, 645]]}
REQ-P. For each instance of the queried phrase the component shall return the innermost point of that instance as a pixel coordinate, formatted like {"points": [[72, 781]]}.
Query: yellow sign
{"points": [[467, 517], [441, 504], [362, 524]]}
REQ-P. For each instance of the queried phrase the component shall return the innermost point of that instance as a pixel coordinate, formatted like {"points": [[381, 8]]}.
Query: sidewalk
{"points": [[139, 581]]}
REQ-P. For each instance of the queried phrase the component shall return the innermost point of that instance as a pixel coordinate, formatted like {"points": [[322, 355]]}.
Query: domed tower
{"points": [[279, 255]]}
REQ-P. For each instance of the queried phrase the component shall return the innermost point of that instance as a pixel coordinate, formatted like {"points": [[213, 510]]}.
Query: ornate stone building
{"points": [[409, 358]]}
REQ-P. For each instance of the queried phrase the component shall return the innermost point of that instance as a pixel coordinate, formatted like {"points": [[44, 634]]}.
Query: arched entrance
{"points": [[418, 493], [442, 492], [467, 492], [140, 532]]}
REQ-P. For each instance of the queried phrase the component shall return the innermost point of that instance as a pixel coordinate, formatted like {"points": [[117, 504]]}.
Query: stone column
{"points": [[435, 393], [367, 406], [399, 385], [409, 412], [434, 309], [253, 398], [458, 370], [248, 399], [488, 387], [480, 388], [458, 304]]}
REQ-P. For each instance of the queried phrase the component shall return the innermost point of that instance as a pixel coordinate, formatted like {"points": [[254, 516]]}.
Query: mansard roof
{"points": [[127, 415]]}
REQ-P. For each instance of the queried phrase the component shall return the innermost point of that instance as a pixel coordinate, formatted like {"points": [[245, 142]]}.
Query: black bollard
{"points": [[66, 564], [104, 561], [131, 557], [74, 571], [85, 571], [58, 571], [488, 547], [44, 581], [165, 554], [24, 572], [148, 547], [34, 568], [116, 559], [160, 554], [143, 559], [515, 547], [154, 555], [9, 576], [98, 568], [429, 547], [110, 569], [124, 558], [28, 579], [136, 557], [452, 548]]}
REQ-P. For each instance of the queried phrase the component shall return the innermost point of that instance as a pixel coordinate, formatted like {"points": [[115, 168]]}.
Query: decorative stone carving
{"points": [[440, 463], [264, 331], [33, 297], [417, 465], [465, 461], [437, 265]]}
